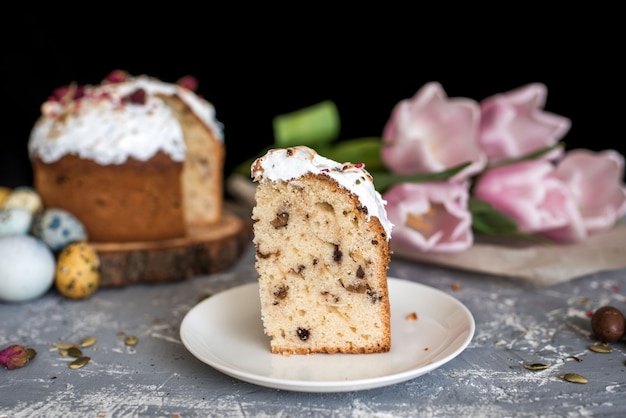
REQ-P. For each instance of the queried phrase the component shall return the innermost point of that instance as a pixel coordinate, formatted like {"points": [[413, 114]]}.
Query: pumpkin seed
{"points": [[74, 352], [130, 340], [574, 378], [79, 362], [536, 366], [64, 346], [601, 348], [88, 342]]}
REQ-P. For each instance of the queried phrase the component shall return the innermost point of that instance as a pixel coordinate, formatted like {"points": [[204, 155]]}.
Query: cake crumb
{"points": [[412, 316]]}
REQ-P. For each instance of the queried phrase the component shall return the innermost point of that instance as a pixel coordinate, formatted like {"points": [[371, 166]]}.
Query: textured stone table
{"points": [[517, 323]]}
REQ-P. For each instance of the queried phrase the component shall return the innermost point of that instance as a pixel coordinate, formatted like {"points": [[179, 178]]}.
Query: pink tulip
{"points": [[514, 124], [430, 216], [595, 181], [581, 195], [529, 194], [431, 133]]}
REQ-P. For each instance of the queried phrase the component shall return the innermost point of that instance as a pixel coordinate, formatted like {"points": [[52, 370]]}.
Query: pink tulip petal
{"points": [[430, 216], [595, 179], [528, 193], [514, 124], [431, 133]]}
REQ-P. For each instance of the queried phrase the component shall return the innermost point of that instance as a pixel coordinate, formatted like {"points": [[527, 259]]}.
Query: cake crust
{"points": [[97, 197], [202, 175]]}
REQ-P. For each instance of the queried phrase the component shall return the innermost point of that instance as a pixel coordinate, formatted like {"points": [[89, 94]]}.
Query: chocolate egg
{"points": [[608, 324]]}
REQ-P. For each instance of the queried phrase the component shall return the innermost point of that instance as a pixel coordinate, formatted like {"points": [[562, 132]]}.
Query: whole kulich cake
{"points": [[134, 158], [322, 252]]}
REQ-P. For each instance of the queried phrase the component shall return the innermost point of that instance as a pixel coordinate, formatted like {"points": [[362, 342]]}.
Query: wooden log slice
{"points": [[205, 250]]}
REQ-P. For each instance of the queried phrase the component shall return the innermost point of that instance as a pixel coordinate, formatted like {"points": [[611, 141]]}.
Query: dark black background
{"points": [[256, 63]]}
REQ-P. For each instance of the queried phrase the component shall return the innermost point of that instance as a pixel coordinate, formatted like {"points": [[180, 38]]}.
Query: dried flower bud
{"points": [[14, 357], [67, 94], [188, 81], [116, 76], [137, 97]]}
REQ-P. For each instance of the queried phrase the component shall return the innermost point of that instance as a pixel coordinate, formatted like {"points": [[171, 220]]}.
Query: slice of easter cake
{"points": [[322, 252]]}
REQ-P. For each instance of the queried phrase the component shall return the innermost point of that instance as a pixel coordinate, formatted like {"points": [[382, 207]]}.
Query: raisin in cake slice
{"points": [[322, 252]]}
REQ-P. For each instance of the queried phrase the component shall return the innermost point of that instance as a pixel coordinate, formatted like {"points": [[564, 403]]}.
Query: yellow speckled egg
{"points": [[77, 271], [4, 193], [24, 197]]}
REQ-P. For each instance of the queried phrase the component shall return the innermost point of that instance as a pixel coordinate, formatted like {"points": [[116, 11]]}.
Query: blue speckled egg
{"points": [[57, 228], [15, 221], [27, 268]]}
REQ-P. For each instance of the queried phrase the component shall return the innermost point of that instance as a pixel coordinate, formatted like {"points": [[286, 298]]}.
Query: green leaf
{"points": [[383, 180], [313, 126], [488, 220], [530, 156]]}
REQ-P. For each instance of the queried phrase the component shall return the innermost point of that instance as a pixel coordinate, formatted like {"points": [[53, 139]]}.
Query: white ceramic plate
{"points": [[225, 331]]}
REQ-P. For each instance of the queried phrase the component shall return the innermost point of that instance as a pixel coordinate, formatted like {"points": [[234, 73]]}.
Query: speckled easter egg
{"points": [[27, 268], [57, 228], [77, 271], [24, 197], [4, 193], [15, 221]]}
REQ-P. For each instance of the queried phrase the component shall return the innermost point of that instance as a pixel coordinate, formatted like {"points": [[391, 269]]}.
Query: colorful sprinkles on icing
{"points": [[123, 117]]}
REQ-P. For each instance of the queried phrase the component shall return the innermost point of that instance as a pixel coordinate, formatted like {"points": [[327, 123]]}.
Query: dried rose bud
{"points": [[79, 92], [14, 356], [59, 93], [137, 97], [65, 94], [189, 82], [116, 76]]}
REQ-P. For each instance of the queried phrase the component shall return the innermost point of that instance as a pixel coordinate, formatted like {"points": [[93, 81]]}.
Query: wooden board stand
{"points": [[204, 250]]}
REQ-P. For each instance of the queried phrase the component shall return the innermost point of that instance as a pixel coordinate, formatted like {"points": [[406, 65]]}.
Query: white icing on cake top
{"points": [[288, 163], [108, 126]]}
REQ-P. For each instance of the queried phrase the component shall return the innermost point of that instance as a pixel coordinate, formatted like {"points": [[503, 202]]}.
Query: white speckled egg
{"points": [[15, 221], [77, 271], [57, 228], [24, 197], [27, 268]]}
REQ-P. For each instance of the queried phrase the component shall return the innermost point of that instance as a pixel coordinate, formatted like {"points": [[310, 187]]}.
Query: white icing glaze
{"points": [[288, 163], [101, 126]]}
